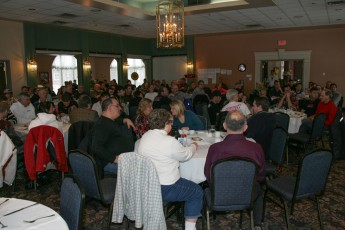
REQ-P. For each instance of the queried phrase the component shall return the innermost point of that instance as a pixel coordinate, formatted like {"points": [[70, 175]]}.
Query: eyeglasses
{"points": [[169, 122]]}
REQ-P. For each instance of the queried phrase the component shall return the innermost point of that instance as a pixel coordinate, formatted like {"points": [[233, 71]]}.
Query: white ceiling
{"points": [[113, 17]]}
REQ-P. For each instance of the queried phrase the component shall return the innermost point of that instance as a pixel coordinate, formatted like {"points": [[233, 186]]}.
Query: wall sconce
{"points": [[87, 64], [32, 65], [125, 65], [189, 67]]}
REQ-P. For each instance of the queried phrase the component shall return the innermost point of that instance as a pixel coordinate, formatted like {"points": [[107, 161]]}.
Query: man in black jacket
{"points": [[261, 124], [110, 139]]}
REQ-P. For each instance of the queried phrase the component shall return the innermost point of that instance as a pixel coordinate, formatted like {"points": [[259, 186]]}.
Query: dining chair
{"points": [[282, 120], [77, 132], [304, 140], [72, 202], [310, 182], [276, 151], [43, 145], [231, 188], [138, 193], [220, 120], [84, 168], [203, 121]]}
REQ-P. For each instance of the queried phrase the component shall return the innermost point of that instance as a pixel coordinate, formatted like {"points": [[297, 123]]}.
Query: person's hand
{"points": [[116, 159], [129, 123], [196, 145], [185, 128]]}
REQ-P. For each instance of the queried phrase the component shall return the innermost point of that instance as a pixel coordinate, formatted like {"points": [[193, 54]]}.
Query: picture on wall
{"points": [[44, 77]]}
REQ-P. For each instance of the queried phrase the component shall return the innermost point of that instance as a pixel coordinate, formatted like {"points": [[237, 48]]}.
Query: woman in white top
{"points": [[166, 153], [151, 94], [45, 116]]}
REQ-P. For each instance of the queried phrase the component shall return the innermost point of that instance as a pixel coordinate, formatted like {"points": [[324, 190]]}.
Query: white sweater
{"points": [[166, 153], [46, 119], [23, 114]]}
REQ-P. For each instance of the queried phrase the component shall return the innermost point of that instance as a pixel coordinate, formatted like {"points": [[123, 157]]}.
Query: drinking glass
{"points": [[212, 130]]}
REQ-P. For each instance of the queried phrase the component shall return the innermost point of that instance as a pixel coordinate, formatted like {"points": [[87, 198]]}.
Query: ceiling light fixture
{"points": [[170, 24]]}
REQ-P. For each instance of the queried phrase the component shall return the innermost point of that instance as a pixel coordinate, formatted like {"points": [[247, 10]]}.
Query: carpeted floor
{"points": [[305, 215]]}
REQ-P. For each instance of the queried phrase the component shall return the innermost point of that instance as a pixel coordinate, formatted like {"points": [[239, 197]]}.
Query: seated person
{"points": [[214, 106], [236, 145], [45, 116], [309, 105], [83, 112], [288, 100], [8, 128], [261, 124], [162, 100], [10, 116], [108, 138], [23, 110], [299, 91], [141, 122], [166, 153], [98, 105], [66, 104], [275, 93], [232, 96], [8, 94], [185, 119], [336, 96], [326, 106]]}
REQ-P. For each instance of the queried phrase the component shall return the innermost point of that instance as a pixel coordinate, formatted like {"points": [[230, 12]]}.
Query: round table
{"points": [[16, 220], [193, 169]]}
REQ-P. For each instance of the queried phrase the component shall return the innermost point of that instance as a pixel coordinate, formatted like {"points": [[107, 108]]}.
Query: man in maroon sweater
{"points": [[236, 145], [325, 106]]}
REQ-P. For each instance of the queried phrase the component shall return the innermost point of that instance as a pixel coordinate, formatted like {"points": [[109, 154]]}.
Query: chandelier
{"points": [[170, 24]]}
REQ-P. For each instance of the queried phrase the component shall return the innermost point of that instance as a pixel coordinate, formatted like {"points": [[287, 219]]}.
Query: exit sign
{"points": [[281, 42]]}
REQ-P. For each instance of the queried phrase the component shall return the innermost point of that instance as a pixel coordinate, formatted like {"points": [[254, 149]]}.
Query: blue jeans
{"points": [[188, 191], [110, 168]]}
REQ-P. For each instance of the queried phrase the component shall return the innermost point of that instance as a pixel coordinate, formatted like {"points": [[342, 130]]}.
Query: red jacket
{"points": [[44, 144]]}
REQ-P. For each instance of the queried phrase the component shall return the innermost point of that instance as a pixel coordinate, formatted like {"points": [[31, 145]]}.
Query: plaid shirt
{"points": [[138, 193]]}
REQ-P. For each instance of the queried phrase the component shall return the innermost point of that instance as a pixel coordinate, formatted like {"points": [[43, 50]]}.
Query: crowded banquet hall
{"points": [[171, 114]]}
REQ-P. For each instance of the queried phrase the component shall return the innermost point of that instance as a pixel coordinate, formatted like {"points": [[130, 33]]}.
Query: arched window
{"points": [[136, 65], [64, 68], [113, 71]]}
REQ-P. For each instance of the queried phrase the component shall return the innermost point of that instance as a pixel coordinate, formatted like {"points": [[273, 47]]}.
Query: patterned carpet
{"points": [[305, 214]]}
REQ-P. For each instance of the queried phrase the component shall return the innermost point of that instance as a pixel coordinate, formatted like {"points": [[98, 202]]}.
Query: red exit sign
{"points": [[281, 42]]}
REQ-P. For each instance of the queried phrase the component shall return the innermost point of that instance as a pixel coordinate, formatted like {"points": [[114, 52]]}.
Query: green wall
{"points": [[54, 38]]}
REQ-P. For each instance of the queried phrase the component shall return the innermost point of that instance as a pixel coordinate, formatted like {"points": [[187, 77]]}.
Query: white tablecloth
{"points": [[193, 169], [16, 220], [22, 131], [295, 119]]}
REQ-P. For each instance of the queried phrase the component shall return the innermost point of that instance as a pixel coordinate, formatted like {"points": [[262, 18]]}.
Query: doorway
{"points": [[285, 70], [300, 60]]}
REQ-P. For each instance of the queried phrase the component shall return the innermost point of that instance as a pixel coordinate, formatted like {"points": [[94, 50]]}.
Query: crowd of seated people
{"points": [[108, 105]]}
